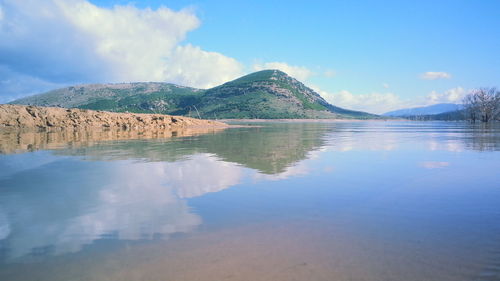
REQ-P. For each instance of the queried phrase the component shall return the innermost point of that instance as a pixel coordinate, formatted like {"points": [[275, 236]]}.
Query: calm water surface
{"points": [[284, 201]]}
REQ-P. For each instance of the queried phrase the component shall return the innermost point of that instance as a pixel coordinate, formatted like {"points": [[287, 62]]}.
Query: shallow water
{"points": [[283, 201]]}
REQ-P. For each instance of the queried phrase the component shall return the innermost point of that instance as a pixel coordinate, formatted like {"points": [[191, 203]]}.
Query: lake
{"points": [[276, 201]]}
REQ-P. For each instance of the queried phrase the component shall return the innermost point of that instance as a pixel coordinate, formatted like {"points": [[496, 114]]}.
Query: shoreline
{"points": [[307, 120], [37, 118]]}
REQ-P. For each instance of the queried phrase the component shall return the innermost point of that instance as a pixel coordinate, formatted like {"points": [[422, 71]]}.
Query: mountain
{"points": [[456, 115], [267, 94], [426, 110], [147, 97]]}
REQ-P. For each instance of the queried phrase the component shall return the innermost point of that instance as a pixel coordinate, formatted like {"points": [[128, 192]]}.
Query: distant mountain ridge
{"points": [[267, 94], [425, 110]]}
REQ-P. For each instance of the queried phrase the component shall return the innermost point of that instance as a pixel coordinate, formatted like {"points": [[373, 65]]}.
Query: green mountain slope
{"points": [[147, 97], [267, 94]]}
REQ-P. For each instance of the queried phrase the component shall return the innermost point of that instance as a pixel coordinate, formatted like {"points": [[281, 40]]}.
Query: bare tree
{"points": [[471, 107], [483, 104]]}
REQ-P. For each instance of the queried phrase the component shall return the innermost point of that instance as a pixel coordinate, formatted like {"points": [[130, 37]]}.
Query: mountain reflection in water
{"points": [[130, 199], [380, 193]]}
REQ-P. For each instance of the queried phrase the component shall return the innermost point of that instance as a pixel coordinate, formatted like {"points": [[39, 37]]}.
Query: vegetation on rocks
{"points": [[267, 94]]}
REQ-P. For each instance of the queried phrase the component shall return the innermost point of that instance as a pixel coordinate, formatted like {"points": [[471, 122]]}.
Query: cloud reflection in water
{"points": [[77, 202]]}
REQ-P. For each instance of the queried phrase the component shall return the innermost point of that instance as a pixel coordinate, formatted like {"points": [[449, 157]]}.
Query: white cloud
{"points": [[454, 95], [298, 72], [373, 102], [385, 85], [72, 41], [430, 75], [379, 103], [194, 67]]}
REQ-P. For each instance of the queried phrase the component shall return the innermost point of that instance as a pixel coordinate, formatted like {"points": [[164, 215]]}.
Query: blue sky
{"points": [[366, 55]]}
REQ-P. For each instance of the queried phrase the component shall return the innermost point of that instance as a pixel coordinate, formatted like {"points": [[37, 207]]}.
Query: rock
{"points": [[51, 118]]}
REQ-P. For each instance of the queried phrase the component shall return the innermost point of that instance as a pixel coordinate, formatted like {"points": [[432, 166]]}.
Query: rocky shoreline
{"points": [[19, 117]]}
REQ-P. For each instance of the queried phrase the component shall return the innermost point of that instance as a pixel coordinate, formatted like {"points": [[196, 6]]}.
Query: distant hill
{"points": [[267, 94], [426, 110], [457, 115]]}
